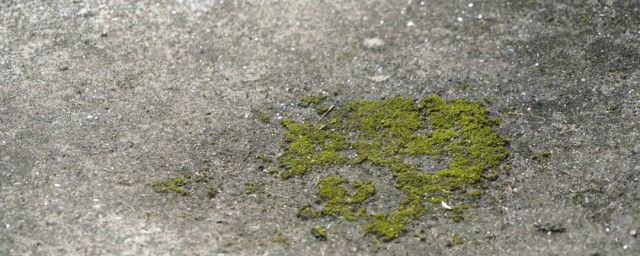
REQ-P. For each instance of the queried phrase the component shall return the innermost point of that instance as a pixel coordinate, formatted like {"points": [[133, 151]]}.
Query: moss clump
{"points": [[301, 155], [545, 154], [388, 226], [167, 185], [319, 233], [280, 239], [457, 212], [455, 240], [264, 158], [265, 118], [387, 135], [253, 187], [321, 110], [199, 182], [336, 199], [308, 100]]}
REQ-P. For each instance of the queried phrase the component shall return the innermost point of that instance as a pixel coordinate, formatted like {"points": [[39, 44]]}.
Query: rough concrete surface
{"points": [[99, 99]]}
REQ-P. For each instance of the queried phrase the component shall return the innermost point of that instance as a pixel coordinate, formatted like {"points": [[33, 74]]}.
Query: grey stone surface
{"points": [[98, 99]]}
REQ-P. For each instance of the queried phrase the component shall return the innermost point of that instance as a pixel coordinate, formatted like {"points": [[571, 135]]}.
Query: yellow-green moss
{"points": [[264, 117], [264, 158], [308, 100], [387, 134], [321, 110], [280, 239], [336, 199], [182, 185], [167, 185], [388, 226], [455, 240], [545, 154], [319, 232], [253, 187]]}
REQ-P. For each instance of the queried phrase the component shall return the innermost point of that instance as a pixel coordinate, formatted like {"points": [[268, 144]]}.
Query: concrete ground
{"points": [[99, 99]]}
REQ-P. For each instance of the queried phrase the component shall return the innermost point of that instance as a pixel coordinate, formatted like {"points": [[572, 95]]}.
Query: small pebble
{"points": [[633, 232]]}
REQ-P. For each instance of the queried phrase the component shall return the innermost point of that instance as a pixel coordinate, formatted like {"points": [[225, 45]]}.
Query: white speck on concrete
{"points": [[373, 42], [379, 78]]}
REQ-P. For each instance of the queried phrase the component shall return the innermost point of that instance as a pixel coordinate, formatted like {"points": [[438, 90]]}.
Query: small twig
{"points": [[323, 115]]}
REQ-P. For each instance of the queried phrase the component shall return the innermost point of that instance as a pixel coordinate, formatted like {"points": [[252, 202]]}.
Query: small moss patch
{"points": [[264, 158], [308, 100], [336, 199], [387, 136], [455, 240], [253, 187], [319, 233], [167, 185], [199, 183], [545, 154]]}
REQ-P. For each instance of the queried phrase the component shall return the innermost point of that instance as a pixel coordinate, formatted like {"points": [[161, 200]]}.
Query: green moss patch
{"points": [[336, 199], [439, 155], [545, 154], [308, 100], [167, 185], [319, 233], [200, 183], [455, 241], [388, 136]]}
